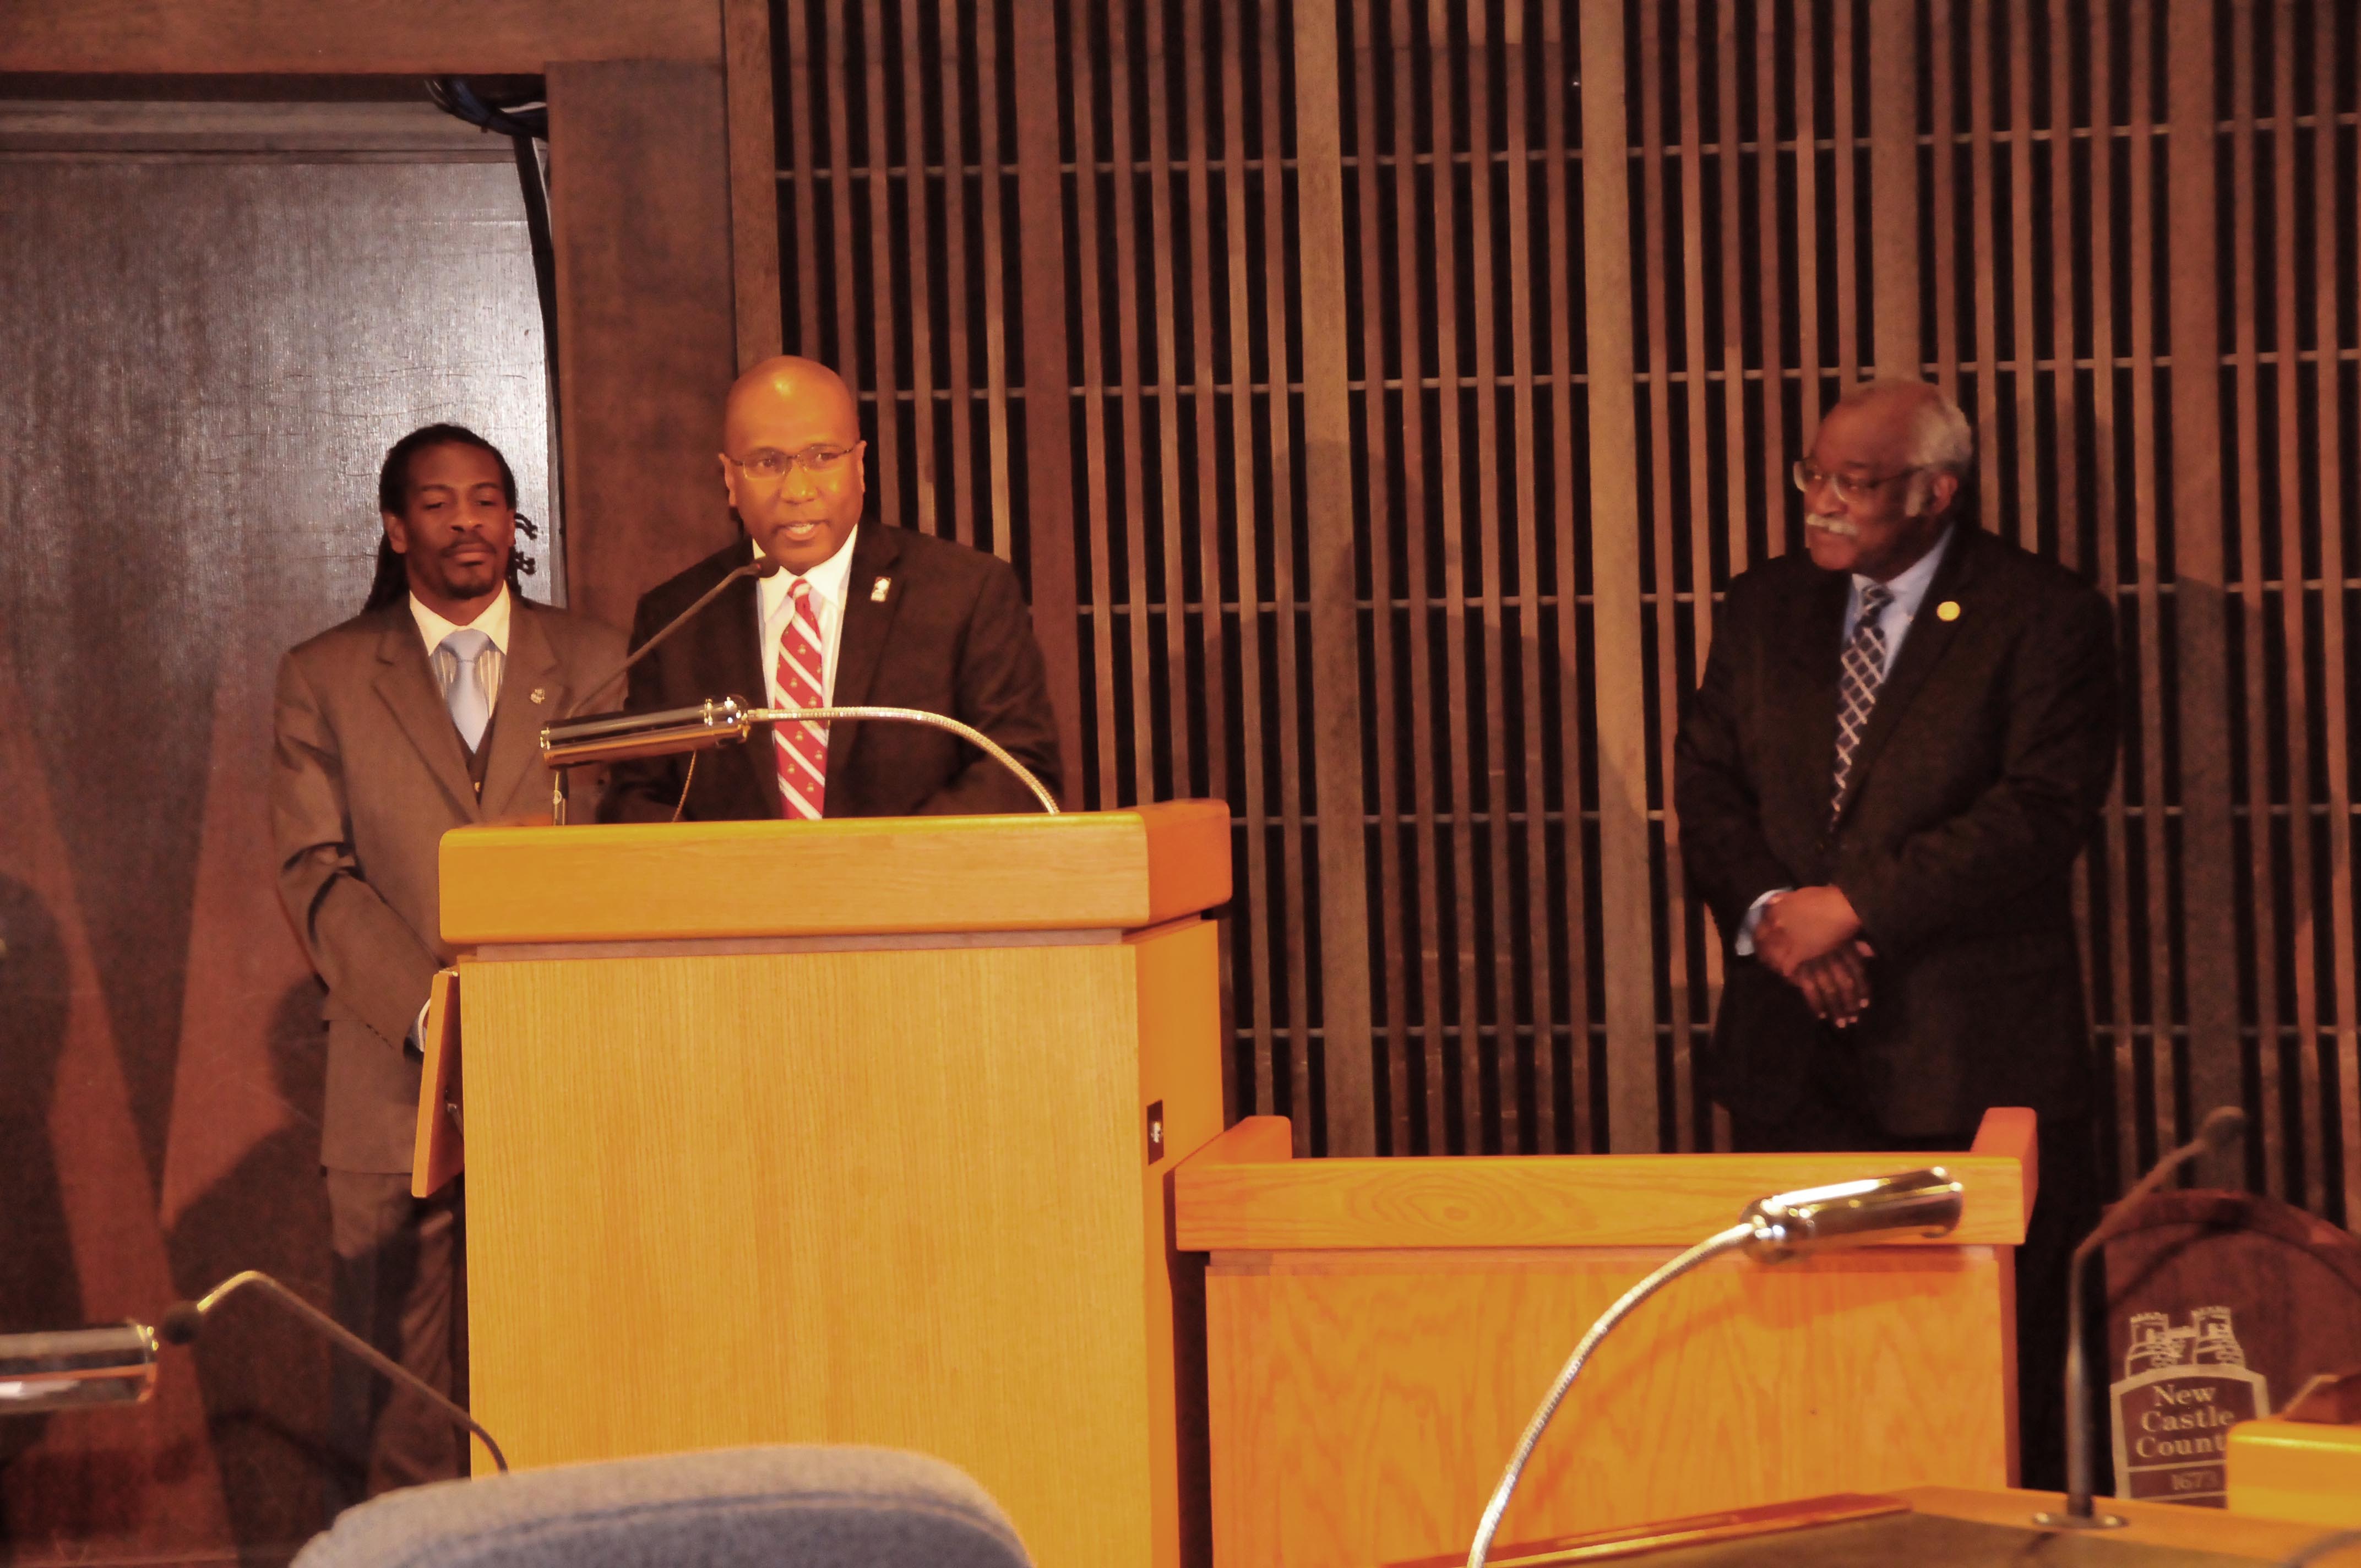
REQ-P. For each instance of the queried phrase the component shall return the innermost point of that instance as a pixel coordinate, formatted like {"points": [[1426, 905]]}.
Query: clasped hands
{"points": [[1811, 939]]}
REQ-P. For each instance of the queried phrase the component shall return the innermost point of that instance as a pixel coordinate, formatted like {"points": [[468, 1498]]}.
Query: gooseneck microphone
{"points": [[760, 566], [183, 1320], [1914, 1204], [2223, 1127]]}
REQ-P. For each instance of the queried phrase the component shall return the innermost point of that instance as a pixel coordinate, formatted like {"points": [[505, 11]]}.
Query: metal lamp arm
{"points": [[966, 732]]}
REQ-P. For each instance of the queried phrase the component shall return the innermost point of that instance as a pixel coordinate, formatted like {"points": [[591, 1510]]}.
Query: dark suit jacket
{"points": [[367, 775], [1976, 785], [952, 635]]}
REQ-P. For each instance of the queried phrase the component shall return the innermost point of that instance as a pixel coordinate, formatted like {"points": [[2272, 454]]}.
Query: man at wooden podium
{"points": [[1897, 750], [861, 613]]}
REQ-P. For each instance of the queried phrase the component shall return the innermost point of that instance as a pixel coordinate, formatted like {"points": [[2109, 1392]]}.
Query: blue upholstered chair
{"points": [[742, 1508]]}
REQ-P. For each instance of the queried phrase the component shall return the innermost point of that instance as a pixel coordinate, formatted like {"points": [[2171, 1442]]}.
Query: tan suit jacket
{"points": [[368, 774]]}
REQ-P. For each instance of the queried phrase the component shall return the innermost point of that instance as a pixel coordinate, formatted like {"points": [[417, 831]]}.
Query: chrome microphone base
{"points": [[2059, 1519]]}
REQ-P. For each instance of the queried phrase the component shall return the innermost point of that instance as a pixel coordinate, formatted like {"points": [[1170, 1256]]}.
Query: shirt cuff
{"points": [[1743, 946]]}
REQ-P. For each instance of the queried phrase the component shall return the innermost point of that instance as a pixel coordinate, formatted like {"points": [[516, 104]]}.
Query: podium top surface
{"points": [[884, 875], [1244, 1192]]}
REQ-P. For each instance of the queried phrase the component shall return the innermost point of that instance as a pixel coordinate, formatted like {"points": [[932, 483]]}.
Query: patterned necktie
{"points": [[463, 693], [1864, 671], [802, 747]]}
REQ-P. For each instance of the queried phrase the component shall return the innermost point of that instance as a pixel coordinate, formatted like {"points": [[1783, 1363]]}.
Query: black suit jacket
{"points": [[952, 635], [1985, 761]]}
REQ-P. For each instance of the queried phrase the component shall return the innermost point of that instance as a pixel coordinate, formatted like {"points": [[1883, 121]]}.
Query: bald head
{"points": [[792, 459], [787, 387]]}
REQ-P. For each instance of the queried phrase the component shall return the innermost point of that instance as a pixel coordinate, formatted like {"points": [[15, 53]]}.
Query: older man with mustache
{"points": [[1898, 747]]}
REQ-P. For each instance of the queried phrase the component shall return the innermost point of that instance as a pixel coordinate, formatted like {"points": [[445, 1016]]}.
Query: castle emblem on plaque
{"points": [[2184, 1387]]}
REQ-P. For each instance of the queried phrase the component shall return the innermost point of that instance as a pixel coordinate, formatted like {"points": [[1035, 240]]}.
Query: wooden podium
{"points": [[1379, 1331], [845, 1132]]}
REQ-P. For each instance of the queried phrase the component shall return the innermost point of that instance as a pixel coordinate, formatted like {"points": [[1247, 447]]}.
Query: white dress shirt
{"points": [[1909, 590], [828, 581], [493, 623]]}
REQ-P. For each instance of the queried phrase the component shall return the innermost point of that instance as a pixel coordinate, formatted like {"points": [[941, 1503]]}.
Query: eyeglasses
{"points": [[1809, 478], [770, 464]]}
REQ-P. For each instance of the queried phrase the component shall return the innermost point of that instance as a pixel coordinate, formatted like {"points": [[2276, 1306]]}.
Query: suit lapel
{"points": [[861, 642], [532, 691], [1929, 639], [407, 684]]}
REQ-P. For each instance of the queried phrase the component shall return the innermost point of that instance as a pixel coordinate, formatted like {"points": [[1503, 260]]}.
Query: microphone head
{"points": [[766, 566], [2223, 1128], [181, 1322]]}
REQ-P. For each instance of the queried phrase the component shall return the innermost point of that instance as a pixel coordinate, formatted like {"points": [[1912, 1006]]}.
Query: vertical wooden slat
{"points": [[1943, 166], [1778, 452], [1808, 343], [1499, 1058], [1049, 442], [2024, 348], [1040, 257], [753, 177], [1246, 524], [1141, 786], [1686, 917], [1394, 895], [1351, 1100], [2066, 263], [1985, 282], [885, 466], [2309, 1180], [1575, 1132], [2107, 504], [1164, 252], [1416, 509], [2164, 1130], [1539, 1133], [1894, 183], [835, 17], [917, 79], [2269, 1132], [1212, 517], [1286, 632], [804, 332], [1845, 132], [1099, 612], [1738, 488], [1453, 537], [2209, 965], [1627, 939], [1665, 612], [2344, 1118], [956, 260]]}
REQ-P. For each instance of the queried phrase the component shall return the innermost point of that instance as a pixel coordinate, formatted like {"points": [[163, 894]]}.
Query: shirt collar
{"points": [[493, 623], [1909, 588], [828, 580]]}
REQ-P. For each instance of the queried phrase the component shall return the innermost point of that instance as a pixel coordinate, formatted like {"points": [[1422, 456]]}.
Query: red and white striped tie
{"points": [[801, 747]]}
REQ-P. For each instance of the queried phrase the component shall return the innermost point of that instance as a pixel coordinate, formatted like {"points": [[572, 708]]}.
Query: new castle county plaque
{"points": [[2184, 1387]]}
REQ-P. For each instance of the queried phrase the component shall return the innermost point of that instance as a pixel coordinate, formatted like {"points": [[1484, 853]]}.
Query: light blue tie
{"points": [[465, 694]]}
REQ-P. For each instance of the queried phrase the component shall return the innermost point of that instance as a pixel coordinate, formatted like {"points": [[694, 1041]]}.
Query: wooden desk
{"points": [[1379, 1331]]}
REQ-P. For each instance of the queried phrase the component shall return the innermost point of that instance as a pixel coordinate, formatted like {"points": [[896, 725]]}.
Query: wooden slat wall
{"points": [[1430, 366]]}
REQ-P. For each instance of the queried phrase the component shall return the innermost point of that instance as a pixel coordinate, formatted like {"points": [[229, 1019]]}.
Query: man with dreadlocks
{"points": [[420, 715]]}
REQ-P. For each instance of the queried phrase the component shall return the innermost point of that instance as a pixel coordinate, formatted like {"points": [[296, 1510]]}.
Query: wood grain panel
{"points": [[1042, 1316], [755, 294], [647, 341], [1365, 1400], [434, 37]]}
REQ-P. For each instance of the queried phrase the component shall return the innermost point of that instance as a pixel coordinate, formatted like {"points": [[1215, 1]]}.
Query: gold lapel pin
{"points": [[1947, 611], [878, 589], [536, 695]]}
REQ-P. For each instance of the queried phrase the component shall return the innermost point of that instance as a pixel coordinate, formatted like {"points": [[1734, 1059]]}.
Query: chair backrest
{"points": [[775, 1507]]}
